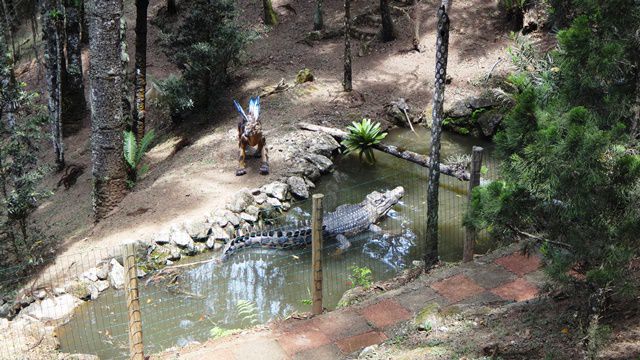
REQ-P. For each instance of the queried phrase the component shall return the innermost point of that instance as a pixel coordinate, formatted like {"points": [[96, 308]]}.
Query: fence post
{"points": [[470, 234], [316, 252], [136, 347]]}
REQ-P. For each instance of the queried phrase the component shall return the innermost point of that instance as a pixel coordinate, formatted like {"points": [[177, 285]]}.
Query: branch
{"points": [[540, 239]]}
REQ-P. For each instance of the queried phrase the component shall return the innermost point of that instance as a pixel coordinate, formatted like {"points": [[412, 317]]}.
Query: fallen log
{"points": [[411, 156]]}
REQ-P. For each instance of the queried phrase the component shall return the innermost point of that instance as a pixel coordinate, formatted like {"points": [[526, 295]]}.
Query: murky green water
{"points": [[182, 309]]}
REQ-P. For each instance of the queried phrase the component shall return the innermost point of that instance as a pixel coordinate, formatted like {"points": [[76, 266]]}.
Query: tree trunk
{"points": [[422, 160], [9, 19], [387, 22], [84, 23], [346, 83], [416, 25], [107, 120], [270, 16], [635, 121], [51, 18], [140, 84], [172, 9], [74, 94], [442, 51], [34, 33], [318, 23]]}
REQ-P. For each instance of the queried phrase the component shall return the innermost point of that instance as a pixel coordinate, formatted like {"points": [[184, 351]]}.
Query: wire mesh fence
{"points": [[200, 298]]}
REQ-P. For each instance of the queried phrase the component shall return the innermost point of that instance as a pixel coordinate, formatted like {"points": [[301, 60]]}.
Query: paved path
{"points": [[497, 278]]}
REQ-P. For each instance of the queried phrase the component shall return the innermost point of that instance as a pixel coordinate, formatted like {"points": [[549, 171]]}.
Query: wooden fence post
{"points": [[316, 252], [136, 347], [470, 234]]}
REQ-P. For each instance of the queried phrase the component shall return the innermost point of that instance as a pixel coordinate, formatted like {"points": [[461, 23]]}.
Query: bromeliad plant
{"points": [[133, 153], [362, 136]]}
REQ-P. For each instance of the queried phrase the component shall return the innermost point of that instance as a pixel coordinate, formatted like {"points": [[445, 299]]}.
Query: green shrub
{"points": [[361, 276], [173, 96], [362, 136], [204, 45], [133, 153]]}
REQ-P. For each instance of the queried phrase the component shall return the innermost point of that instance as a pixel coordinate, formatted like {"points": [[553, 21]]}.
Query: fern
{"points": [[247, 311], [133, 153]]}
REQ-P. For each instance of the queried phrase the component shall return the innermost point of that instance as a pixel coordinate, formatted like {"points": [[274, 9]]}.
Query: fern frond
{"points": [[130, 149], [144, 145]]}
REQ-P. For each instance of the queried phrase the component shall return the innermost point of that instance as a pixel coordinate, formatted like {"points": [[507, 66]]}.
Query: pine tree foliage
{"points": [[571, 169]]}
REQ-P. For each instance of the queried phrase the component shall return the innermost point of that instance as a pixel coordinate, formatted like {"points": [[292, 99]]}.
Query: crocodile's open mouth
{"points": [[383, 202]]}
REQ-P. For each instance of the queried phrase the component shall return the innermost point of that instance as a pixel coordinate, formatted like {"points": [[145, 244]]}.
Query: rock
{"points": [[190, 250], [174, 253], [218, 234], [255, 191], [298, 187], [489, 121], [102, 271], [116, 275], [322, 144], [52, 309], [5, 310], [180, 237], [79, 288], [141, 273], [304, 168], [309, 183], [248, 217], [161, 238], [323, 163], [252, 210], [304, 75], [273, 202], [395, 112], [276, 189], [57, 291], [198, 230], [286, 206], [214, 245], [169, 262], [91, 274], [39, 294], [260, 198], [369, 352], [241, 200], [200, 248], [102, 285], [232, 218], [93, 292]]}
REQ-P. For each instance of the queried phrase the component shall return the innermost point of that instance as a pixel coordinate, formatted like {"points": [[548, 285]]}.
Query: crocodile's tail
{"points": [[274, 239]]}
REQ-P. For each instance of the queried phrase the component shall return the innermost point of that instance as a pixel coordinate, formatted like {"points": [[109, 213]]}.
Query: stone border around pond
{"points": [[307, 155]]}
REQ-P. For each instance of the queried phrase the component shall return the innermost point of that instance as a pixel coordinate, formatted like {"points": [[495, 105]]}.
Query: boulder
{"points": [[79, 288], [273, 202], [91, 274], [218, 233], [298, 187], [240, 201], [161, 238], [489, 121], [248, 217], [180, 237], [174, 253], [322, 144], [232, 218], [53, 309], [198, 229], [252, 210], [102, 271], [5, 310], [309, 184], [396, 112], [303, 76], [276, 189], [260, 198], [214, 245], [323, 163], [39, 294], [102, 285], [116, 275], [302, 167]]}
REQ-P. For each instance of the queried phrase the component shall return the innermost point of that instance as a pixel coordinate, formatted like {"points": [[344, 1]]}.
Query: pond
{"points": [[258, 285]]}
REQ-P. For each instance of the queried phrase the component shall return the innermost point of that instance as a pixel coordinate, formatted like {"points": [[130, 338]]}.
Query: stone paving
{"points": [[500, 277]]}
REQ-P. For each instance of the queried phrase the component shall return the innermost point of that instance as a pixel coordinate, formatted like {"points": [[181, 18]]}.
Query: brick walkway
{"points": [[503, 276]]}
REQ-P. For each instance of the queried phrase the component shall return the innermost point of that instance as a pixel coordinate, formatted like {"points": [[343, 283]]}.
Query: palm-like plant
{"points": [[362, 136], [133, 153]]}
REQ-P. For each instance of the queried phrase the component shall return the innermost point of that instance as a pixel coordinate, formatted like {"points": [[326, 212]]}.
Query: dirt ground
{"points": [[201, 177]]}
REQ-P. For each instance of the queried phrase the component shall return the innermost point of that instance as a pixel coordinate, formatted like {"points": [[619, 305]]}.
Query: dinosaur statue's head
{"points": [[380, 203]]}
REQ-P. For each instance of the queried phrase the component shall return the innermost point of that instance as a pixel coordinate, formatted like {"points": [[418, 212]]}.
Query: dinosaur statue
{"points": [[348, 219], [250, 134]]}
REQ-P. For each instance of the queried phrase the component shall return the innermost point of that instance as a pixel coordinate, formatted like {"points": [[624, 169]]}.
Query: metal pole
{"points": [[316, 252], [136, 347], [470, 234]]}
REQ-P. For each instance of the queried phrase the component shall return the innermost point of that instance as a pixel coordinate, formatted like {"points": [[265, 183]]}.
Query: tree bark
{"points": [[346, 83], [84, 23], [635, 121], [270, 16], [411, 156], [442, 51], [74, 94], [416, 25], [107, 121], [140, 82], [318, 23], [387, 33], [172, 9], [51, 17]]}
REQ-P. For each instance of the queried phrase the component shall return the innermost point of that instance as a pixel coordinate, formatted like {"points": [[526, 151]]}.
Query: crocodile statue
{"points": [[346, 220]]}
